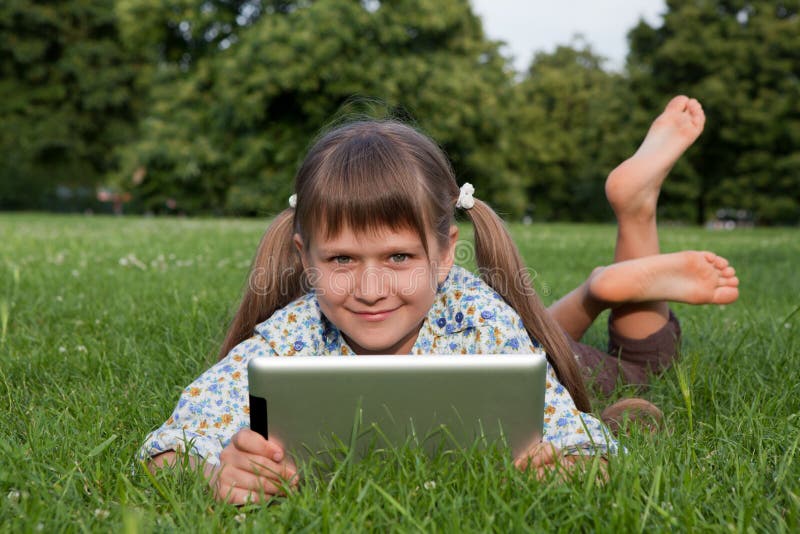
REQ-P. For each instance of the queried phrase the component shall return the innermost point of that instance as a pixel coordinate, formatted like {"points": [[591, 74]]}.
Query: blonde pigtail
{"points": [[276, 279]]}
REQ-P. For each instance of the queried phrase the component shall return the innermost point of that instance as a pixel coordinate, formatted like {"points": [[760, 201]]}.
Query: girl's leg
{"points": [[576, 311], [690, 276], [632, 190], [643, 332]]}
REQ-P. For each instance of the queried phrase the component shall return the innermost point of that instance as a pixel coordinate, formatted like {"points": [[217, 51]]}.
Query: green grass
{"points": [[104, 320]]}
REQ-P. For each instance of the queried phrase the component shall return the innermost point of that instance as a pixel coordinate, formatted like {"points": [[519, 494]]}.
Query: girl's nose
{"points": [[372, 284]]}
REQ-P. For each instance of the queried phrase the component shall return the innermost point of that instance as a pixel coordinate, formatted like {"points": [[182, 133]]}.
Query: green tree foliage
{"points": [[212, 104], [571, 128], [181, 31], [741, 59], [66, 96], [226, 133]]}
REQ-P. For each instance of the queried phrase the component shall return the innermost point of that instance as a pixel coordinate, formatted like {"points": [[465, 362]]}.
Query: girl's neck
{"points": [[401, 348]]}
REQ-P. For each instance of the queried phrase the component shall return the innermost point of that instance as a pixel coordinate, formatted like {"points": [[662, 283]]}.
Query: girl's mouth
{"points": [[375, 316]]}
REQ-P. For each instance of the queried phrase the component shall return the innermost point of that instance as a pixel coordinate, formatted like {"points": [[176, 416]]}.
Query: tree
{"points": [[228, 134], [741, 59], [66, 97], [571, 129]]}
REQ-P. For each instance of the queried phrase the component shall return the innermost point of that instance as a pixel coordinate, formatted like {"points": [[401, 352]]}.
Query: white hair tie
{"points": [[465, 199], [293, 201]]}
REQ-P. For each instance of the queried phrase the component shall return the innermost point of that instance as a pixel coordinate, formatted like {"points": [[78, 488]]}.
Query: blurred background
{"points": [[206, 107]]}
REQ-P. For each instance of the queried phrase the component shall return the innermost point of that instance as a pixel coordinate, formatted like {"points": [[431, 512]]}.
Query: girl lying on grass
{"points": [[363, 263]]}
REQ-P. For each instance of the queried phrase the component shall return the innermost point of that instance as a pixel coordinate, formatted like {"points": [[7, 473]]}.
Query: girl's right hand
{"points": [[249, 467]]}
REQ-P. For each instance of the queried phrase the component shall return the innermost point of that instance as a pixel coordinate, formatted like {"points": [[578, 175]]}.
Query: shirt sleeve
{"points": [[569, 429], [211, 409]]}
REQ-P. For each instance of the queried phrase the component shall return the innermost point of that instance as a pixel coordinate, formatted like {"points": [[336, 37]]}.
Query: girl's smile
{"points": [[374, 316], [376, 287]]}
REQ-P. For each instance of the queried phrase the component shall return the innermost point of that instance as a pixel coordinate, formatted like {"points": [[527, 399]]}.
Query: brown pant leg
{"points": [[628, 360]]}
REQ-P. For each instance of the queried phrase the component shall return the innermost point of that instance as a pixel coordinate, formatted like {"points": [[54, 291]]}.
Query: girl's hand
{"points": [[543, 457], [249, 467]]}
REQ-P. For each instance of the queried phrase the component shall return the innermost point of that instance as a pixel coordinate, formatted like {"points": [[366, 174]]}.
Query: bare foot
{"points": [[632, 188], [690, 276]]}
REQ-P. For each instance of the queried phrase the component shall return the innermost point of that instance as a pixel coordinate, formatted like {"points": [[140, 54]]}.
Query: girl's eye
{"points": [[399, 258], [341, 260]]}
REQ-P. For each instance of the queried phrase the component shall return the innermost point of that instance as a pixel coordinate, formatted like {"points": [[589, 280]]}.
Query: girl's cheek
{"points": [[415, 281], [340, 284]]}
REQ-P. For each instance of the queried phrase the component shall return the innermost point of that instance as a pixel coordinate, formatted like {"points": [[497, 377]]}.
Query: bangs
{"points": [[366, 185]]}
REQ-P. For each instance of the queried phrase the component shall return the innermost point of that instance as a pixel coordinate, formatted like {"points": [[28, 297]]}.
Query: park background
{"points": [[205, 108]]}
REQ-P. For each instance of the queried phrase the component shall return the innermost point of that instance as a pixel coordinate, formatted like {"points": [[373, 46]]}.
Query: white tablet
{"points": [[321, 405]]}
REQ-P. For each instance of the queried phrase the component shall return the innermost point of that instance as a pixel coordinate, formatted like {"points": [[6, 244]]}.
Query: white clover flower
{"points": [[429, 485]]}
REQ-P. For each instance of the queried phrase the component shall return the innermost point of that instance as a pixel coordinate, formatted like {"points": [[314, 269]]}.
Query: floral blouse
{"points": [[467, 317]]}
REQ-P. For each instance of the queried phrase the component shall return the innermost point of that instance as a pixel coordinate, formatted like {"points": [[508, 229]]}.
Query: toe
{"points": [[696, 112], [717, 262], [678, 103], [725, 295]]}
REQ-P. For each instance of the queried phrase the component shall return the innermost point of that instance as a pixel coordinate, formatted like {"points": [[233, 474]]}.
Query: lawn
{"points": [[104, 320]]}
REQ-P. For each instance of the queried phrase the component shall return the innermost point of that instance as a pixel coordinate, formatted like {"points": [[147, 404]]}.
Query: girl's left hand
{"points": [[543, 457]]}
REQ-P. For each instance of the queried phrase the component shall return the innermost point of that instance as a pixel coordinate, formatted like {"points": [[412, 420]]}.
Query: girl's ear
{"points": [[448, 255], [298, 243]]}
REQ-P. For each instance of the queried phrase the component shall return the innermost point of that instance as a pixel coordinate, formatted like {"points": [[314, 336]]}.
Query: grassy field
{"points": [[104, 320]]}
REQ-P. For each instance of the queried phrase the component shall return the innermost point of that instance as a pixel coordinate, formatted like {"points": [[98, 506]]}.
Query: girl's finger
{"points": [[234, 495], [260, 466], [538, 455], [247, 440], [244, 480]]}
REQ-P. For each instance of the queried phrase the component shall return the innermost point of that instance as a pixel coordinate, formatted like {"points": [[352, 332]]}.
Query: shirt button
{"points": [[487, 314], [459, 317], [441, 322]]}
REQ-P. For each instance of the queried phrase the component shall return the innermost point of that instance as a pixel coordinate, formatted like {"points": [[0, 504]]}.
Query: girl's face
{"points": [[377, 288]]}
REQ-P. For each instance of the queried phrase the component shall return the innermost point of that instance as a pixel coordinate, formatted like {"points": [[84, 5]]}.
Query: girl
{"points": [[362, 263]]}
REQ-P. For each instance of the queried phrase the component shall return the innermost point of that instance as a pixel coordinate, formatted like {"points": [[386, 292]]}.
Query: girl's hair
{"points": [[370, 175]]}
